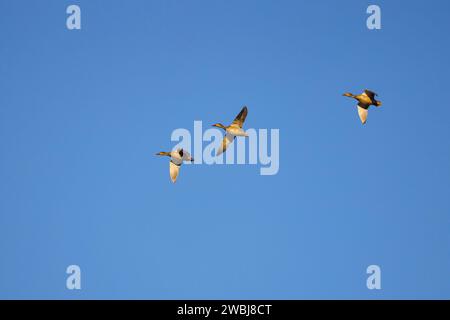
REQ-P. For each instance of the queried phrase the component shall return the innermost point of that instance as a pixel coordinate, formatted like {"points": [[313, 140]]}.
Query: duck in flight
{"points": [[176, 160], [365, 100], [233, 130]]}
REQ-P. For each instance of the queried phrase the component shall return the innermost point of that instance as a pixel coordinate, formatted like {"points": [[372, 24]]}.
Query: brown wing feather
{"points": [[370, 94], [225, 143], [240, 118]]}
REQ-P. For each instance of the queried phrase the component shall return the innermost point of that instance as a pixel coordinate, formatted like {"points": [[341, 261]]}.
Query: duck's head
{"points": [[219, 125], [182, 154]]}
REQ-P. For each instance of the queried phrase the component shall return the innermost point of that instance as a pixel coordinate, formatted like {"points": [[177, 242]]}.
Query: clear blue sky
{"points": [[82, 114]]}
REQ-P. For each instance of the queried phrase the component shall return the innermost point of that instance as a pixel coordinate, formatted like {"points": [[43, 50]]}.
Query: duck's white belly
{"points": [[236, 131], [175, 158]]}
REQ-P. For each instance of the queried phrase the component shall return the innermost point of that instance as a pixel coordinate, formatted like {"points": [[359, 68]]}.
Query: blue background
{"points": [[82, 114]]}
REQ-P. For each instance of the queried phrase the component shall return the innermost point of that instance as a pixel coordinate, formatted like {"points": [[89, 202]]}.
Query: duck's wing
{"points": [[370, 94], [362, 112], [174, 170], [225, 142], [240, 118]]}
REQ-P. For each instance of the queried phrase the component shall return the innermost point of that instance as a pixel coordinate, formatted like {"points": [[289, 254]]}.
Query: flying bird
{"points": [[233, 130], [365, 100], [176, 160]]}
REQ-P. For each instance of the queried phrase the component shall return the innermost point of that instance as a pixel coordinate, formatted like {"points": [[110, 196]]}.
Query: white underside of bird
{"points": [[236, 131], [363, 112]]}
